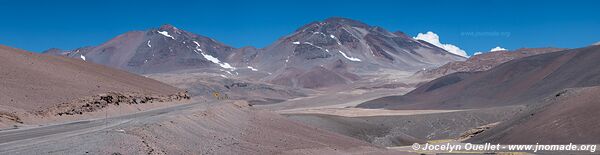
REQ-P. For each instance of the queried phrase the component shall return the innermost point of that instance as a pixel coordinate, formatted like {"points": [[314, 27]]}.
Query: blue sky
{"points": [[476, 25]]}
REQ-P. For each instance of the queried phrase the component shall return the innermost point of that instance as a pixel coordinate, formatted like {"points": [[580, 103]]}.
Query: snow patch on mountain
{"points": [[197, 45], [166, 34], [82, 57], [336, 40], [349, 58], [216, 61], [477, 53], [434, 39], [148, 43], [212, 58], [319, 47], [321, 33], [198, 49], [252, 68]]}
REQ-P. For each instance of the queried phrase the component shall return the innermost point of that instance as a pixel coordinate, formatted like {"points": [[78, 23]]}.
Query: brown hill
{"points": [[483, 61], [520, 81], [35, 82], [567, 117]]}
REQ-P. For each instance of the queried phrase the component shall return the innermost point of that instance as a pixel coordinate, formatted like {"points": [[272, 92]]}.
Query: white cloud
{"points": [[477, 53], [434, 39], [498, 48], [598, 43]]}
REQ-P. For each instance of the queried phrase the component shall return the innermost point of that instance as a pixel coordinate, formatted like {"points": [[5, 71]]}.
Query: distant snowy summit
{"points": [[338, 49], [163, 49]]}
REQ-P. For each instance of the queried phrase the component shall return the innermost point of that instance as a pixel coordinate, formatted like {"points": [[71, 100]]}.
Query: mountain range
{"points": [[515, 82], [336, 50], [482, 62], [383, 87]]}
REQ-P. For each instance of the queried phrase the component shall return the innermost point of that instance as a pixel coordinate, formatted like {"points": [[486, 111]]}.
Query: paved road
{"points": [[16, 135]]}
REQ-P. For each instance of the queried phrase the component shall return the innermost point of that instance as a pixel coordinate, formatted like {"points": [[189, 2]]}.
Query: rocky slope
{"points": [[338, 50], [569, 116], [34, 83], [483, 62], [521, 81]]}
